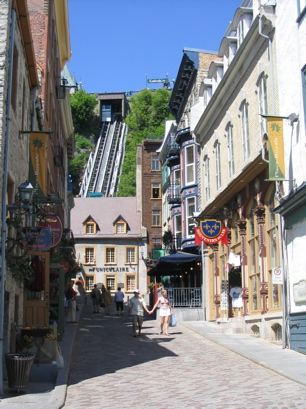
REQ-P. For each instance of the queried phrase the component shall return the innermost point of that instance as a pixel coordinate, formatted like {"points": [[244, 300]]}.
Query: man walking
{"points": [[136, 306], [119, 296], [96, 299]]}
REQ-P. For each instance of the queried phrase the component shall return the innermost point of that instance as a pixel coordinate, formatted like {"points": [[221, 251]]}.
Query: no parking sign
{"points": [[277, 275]]}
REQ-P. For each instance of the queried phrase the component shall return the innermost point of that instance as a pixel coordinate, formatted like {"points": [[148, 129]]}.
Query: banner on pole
{"points": [[276, 148]]}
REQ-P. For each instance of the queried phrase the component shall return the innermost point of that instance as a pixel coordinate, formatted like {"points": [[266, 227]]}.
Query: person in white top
{"points": [[136, 306], [165, 310]]}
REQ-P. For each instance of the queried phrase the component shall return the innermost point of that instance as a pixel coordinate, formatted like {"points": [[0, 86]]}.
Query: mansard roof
{"points": [[105, 210]]}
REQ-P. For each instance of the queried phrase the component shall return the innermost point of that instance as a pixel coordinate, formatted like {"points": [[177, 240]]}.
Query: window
{"points": [[253, 258], [157, 243], [218, 166], [110, 255], [156, 220], [110, 282], [89, 282], [230, 150], [177, 224], [206, 177], [130, 255], [120, 228], [155, 191], [190, 209], [155, 165], [304, 87], [275, 294], [189, 165], [90, 255], [263, 103], [90, 228], [15, 78], [245, 131], [130, 282]]}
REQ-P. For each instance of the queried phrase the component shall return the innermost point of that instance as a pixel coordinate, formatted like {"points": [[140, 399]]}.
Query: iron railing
{"points": [[185, 297]]}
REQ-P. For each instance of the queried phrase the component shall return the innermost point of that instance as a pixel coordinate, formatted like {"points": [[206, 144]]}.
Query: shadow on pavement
{"points": [[105, 344]]}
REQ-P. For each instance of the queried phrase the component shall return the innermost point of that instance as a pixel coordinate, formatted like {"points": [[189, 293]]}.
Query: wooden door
{"points": [[36, 297]]}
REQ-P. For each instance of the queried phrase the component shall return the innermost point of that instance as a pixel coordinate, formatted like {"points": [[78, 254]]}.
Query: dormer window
{"points": [[120, 225], [120, 228], [90, 228]]}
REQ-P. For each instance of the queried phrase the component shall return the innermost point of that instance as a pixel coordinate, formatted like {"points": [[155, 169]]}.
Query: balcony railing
{"points": [[174, 193], [185, 297]]}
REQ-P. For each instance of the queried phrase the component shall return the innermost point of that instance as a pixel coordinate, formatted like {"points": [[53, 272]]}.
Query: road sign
{"points": [[277, 275]]}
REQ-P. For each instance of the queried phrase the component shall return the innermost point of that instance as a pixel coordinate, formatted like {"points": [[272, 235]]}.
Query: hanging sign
{"points": [[211, 232], [52, 222], [276, 148], [37, 238]]}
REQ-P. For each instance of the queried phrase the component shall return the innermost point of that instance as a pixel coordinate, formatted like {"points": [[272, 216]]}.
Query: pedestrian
{"points": [[71, 299], [119, 296], [103, 289], [96, 299], [136, 306], [165, 310], [108, 300]]}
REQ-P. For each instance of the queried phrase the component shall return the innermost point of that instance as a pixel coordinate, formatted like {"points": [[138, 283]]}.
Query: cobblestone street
{"points": [[112, 369]]}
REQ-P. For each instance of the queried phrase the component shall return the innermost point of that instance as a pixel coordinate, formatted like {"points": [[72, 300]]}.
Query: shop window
{"points": [[110, 281]]}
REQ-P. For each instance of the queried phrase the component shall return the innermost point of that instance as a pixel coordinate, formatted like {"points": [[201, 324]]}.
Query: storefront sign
{"points": [[109, 269], [210, 232]]}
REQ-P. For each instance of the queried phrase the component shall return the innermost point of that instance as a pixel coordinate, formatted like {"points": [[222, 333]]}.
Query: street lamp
{"points": [[26, 191]]}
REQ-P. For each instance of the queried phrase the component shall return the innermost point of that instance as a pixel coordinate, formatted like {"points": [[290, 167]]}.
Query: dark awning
{"points": [[174, 263]]}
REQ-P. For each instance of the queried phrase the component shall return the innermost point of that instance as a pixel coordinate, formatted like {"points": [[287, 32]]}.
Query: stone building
{"points": [[109, 243], [236, 188]]}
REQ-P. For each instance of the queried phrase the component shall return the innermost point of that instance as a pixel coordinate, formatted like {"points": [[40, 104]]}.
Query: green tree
{"points": [[84, 115], [148, 113]]}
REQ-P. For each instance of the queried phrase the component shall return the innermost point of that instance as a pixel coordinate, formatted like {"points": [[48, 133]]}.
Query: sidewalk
{"points": [[51, 394]]}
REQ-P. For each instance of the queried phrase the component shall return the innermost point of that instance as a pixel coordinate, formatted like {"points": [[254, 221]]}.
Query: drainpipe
{"points": [[4, 189]]}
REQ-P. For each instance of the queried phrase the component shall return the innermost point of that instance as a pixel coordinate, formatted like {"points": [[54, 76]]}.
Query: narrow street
{"points": [[112, 369]]}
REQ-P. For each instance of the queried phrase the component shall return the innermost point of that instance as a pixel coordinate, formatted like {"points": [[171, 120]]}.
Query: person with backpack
{"points": [[71, 299], [96, 299]]}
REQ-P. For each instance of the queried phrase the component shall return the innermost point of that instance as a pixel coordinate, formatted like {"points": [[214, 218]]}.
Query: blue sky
{"points": [[116, 43]]}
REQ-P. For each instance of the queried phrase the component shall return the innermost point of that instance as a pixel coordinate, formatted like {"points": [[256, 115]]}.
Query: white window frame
{"points": [[89, 255], [207, 177], [263, 103], [189, 166], [230, 149], [110, 258], [190, 209], [245, 130], [218, 165]]}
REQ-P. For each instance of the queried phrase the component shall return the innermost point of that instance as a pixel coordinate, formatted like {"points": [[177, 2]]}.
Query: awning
{"points": [[174, 263]]}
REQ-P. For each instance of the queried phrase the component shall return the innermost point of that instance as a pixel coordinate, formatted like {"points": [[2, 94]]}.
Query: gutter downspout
{"points": [[4, 189]]}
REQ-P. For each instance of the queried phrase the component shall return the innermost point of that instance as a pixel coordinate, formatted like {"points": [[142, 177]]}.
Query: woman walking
{"points": [[165, 310]]}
